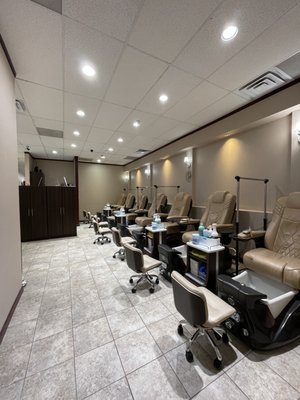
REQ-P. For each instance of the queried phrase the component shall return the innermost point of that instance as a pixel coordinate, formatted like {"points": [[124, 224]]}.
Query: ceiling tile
{"points": [[181, 129], [112, 17], [134, 76], [175, 84], [33, 37], [276, 44], [29, 140], [160, 126], [164, 27], [68, 142], [82, 129], [83, 46], [98, 135], [221, 107], [41, 101], [144, 118], [111, 116], [201, 97], [71, 153], [52, 143], [95, 146], [48, 124], [207, 52], [25, 124], [38, 151], [73, 103]]}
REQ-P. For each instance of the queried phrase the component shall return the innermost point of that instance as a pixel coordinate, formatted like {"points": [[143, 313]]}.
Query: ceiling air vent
{"points": [[50, 133], [84, 159], [20, 106], [142, 151], [130, 158], [264, 83]]}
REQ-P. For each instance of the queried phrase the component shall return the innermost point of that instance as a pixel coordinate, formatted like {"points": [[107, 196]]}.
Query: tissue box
{"points": [[209, 242]]}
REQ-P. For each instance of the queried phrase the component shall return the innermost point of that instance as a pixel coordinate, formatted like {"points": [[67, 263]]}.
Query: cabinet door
{"points": [[69, 211], [55, 211], [38, 213], [25, 213]]}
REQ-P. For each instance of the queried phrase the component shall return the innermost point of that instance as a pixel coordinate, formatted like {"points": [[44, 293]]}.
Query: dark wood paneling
{"points": [[69, 211], [39, 229], [47, 212], [25, 212], [54, 211]]}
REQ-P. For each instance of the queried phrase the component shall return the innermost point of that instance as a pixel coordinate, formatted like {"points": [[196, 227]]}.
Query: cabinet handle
{"points": [[60, 210], [32, 212], [28, 212]]}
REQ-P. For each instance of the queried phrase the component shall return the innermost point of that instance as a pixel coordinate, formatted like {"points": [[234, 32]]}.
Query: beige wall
{"points": [[10, 243], [55, 171], [98, 185], [171, 172], [262, 152]]}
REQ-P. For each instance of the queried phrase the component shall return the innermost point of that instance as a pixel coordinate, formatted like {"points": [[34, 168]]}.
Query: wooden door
{"points": [[69, 211], [25, 212], [54, 211], [38, 213]]}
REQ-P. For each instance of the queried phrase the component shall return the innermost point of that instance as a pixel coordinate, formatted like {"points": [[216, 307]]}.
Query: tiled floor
{"points": [[79, 333]]}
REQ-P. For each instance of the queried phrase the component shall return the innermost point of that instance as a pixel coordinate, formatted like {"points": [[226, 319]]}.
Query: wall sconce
{"points": [[188, 161], [126, 177], [298, 131]]}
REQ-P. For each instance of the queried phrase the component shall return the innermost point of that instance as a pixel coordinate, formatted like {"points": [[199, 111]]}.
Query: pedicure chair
{"points": [[266, 294]]}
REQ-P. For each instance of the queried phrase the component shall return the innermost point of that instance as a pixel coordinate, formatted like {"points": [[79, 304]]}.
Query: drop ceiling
{"points": [[139, 49]]}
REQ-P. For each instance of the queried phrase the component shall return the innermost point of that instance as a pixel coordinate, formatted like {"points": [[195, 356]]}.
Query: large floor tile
{"points": [[13, 365], [26, 311], [116, 391], [152, 311], [113, 304], [46, 353], [137, 349], [196, 375], [165, 333], [12, 392], [52, 323], [258, 381], [83, 313], [221, 388], [56, 383], [124, 322], [97, 369], [18, 335], [156, 381], [91, 335]]}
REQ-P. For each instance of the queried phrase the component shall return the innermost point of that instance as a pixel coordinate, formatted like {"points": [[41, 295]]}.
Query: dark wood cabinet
{"points": [[33, 213], [47, 212]]}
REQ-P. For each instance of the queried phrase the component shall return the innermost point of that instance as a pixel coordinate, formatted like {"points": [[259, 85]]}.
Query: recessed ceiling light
{"points": [[229, 33], [163, 98], [110, 149], [80, 113], [73, 145], [136, 123], [120, 140], [54, 152], [88, 70], [99, 160], [102, 157], [76, 133]]}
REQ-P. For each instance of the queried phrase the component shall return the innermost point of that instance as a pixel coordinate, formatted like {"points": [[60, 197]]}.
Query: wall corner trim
{"points": [[2, 43]]}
